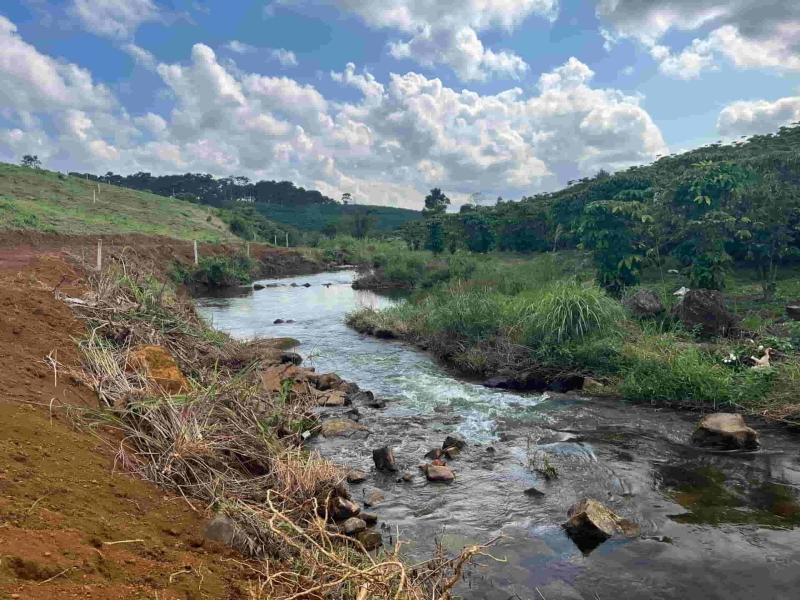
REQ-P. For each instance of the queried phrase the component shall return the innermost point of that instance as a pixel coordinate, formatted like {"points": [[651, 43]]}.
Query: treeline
{"points": [[206, 189], [712, 208]]}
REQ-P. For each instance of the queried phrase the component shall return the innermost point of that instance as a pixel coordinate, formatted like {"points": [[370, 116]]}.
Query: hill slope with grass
{"points": [[40, 200]]}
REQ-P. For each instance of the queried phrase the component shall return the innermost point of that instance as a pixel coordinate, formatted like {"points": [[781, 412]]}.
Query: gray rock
{"points": [[590, 523], [370, 538], [342, 509], [725, 430], [277, 321], [353, 525], [356, 477], [533, 492], [291, 357], [644, 303], [221, 529], [451, 441], [258, 286], [705, 309], [384, 459], [374, 497], [369, 518]]}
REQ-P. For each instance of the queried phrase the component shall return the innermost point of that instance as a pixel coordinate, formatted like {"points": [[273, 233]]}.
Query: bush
{"points": [[214, 271]]}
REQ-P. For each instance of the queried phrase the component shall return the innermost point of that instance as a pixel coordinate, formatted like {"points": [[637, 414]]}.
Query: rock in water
{"points": [[590, 524], [644, 303], [277, 321], [374, 498], [221, 529], [369, 518], [438, 473], [533, 492], [258, 286], [356, 477], [341, 427], [725, 430], [354, 525], [291, 358], [370, 538], [452, 440], [384, 459], [342, 508], [706, 309]]}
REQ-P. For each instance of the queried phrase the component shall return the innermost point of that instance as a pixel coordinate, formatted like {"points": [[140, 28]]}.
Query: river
{"points": [[714, 524]]}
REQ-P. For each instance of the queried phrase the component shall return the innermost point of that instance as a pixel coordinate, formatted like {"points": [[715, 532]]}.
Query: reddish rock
{"points": [[725, 430], [439, 473]]}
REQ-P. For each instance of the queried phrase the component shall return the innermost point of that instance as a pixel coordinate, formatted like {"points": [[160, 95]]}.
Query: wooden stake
{"points": [[195, 252], [99, 254], [248, 249], [94, 197]]}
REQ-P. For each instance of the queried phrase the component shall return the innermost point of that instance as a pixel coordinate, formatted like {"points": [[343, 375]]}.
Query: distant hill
{"points": [[43, 200], [317, 216]]}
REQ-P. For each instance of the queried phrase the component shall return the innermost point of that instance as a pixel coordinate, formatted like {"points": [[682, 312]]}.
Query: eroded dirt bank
{"points": [[61, 502]]}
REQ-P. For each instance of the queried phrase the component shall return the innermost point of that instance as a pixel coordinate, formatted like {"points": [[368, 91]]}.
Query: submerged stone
{"points": [[356, 477], [725, 430], [370, 538]]}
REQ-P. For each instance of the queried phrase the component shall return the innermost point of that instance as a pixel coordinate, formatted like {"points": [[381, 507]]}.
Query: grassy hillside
{"points": [[314, 217], [49, 201]]}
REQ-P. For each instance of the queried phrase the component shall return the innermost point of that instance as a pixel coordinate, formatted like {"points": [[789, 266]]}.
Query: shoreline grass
{"points": [[541, 319]]}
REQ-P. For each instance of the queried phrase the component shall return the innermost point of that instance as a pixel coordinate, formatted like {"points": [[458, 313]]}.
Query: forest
{"points": [[712, 209]]}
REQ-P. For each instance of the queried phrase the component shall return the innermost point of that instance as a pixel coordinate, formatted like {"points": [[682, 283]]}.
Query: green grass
{"points": [[544, 315], [52, 202]]}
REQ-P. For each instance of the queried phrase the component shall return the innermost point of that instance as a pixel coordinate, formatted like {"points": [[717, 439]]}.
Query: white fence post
{"points": [[287, 239], [94, 197], [99, 254], [195, 252], [248, 249]]}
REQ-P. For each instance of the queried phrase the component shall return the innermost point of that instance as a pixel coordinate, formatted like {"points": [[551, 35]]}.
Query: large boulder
{"points": [[644, 303], [706, 309], [725, 430], [384, 459], [590, 523], [156, 363]]}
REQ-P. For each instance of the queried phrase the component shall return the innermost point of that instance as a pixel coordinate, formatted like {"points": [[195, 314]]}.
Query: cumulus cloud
{"points": [[239, 47], [758, 116], [402, 136], [30, 81], [751, 35], [287, 58], [446, 32], [141, 56], [117, 19]]}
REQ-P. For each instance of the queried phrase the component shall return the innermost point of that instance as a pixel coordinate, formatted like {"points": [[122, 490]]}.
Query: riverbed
{"points": [[714, 524]]}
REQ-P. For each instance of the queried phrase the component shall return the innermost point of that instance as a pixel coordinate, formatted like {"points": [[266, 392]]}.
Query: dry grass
{"points": [[231, 446]]}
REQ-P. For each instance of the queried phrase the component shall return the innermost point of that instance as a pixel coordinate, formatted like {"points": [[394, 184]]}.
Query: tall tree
{"points": [[32, 161]]}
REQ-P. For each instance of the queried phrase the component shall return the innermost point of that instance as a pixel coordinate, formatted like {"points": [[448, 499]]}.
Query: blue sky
{"points": [[387, 98]]}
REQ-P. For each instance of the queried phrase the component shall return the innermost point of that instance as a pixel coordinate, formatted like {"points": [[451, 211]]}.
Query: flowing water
{"points": [[714, 524]]}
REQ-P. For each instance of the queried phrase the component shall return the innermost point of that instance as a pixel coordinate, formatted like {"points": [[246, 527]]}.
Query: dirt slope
{"points": [[62, 498]]}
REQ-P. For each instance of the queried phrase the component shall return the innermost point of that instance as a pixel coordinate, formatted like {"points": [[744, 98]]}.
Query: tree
{"points": [[436, 203], [31, 161], [479, 233], [436, 239]]}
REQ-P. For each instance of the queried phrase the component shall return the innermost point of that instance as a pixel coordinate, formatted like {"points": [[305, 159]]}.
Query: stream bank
{"points": [[714, 525]]}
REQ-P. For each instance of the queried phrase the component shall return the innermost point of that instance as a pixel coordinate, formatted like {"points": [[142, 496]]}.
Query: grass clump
{"points": [[215, 271]]}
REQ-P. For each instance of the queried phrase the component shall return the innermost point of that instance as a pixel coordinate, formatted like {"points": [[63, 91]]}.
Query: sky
{"points": [[386, 99]]}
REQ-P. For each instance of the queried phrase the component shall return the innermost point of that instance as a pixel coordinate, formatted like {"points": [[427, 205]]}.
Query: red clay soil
{"points": [[61, 499]]}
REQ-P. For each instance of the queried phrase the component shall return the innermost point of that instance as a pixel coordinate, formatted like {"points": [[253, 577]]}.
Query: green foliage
{"points": [[612, 230], [436, 239], [31, 161], [214, 271], [479, 233], [436, 203]]}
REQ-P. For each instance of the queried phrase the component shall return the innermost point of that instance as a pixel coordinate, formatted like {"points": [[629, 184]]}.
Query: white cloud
{"points": [[758, 116], [751, 35], [30, 81], [446, 31], [629, 70], [141, 56], [239, 47], [286, 57], [117, 19], [403, 136]]}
